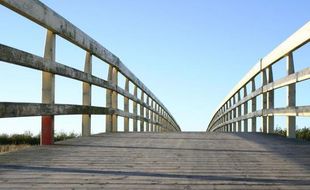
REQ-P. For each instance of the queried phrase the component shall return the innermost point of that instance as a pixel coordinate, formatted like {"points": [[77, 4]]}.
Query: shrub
{"points": [[303, 133], [29, 138]]}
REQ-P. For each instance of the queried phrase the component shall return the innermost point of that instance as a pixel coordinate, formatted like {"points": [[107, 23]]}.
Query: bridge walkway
{"points": [[161, 161]]}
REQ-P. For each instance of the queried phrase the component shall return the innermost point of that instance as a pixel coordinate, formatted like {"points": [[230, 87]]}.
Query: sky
{"points": [[189, 53]]}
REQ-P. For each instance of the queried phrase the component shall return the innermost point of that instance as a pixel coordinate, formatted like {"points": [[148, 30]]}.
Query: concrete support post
{"points": [[270, 102], [48, 91], [291, 98], [126, 107], [239, 112], [86, 118], [253, 101], [142, 113], [135, 110], [264, 102], [245, 110], [147, 114]]}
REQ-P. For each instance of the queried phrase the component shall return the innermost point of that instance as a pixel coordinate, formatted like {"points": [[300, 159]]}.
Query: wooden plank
{"points": [[161, 161], [14, 109]]}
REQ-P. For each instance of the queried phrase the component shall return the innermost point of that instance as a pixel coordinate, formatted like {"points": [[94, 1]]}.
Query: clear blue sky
{"points": [[190, 53]]}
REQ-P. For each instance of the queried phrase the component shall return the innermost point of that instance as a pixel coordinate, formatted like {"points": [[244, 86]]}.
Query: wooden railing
{"points": [[156, 118], [233, 110]]}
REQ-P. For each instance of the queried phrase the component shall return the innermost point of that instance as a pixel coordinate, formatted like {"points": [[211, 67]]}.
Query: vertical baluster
{"points": [[229, 116], [291, 98], [234, 114], [245, 110], [142, 113], [126, 107], [157, 117], [48, 91], [109, 101], [270, 102], [147, 114], [253, 102], [152, 116], [264, 102], [239, 112], [86, 118], [135, 110]]}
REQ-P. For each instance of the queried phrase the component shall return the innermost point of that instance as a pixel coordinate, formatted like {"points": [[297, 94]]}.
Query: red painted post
{"points": [[48, 91], [47, 131]]}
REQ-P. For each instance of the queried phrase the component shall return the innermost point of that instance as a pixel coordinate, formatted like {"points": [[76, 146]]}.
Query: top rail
{"points": [[46, 17], [228, 107], [152, 110]]}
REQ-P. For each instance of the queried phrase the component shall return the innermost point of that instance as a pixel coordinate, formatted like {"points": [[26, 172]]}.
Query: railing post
{"points": [[245, 110], [226, 116], [142, 113], [157, 117], [48, 91], [126, 107], [239, 112], [135, 110], [253, 102], [147, 114], [152, 116], [229, 116], [270, 103], [111, 101], [291, 98], [114, 100], [108, 126], [234, 114], [86, 118], [264, 102]]}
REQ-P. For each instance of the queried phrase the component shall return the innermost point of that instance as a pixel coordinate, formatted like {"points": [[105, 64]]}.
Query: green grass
{"points": [[30, 139], [303, 133]]}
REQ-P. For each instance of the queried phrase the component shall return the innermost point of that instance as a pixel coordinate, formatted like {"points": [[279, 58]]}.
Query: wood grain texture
{"points": [[41, 14], [287, 47], [161, 161]]}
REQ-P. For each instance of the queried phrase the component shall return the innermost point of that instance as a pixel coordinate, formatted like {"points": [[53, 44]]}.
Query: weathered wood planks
{"points": [[161, 161]]}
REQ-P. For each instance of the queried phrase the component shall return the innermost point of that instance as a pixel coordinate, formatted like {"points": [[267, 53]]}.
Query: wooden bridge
{"points": [[155, 154], [161, 161]]}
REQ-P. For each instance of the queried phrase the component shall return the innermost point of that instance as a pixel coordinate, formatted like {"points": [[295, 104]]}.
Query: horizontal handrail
{"points": [[229, 114], [152, 111], [290, 79], [18, 57], [13, 109], [46, 17]]}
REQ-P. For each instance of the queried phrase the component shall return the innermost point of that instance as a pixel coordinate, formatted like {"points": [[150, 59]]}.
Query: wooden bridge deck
{"points": [[161, 161]]}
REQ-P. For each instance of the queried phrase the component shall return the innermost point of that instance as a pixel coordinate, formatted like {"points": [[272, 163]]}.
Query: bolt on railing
{"points": [[229, 116], [157, 118]]}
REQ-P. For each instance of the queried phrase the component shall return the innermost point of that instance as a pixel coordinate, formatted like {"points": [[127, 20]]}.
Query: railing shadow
{"points": [[294, 150], [244, 180]]}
